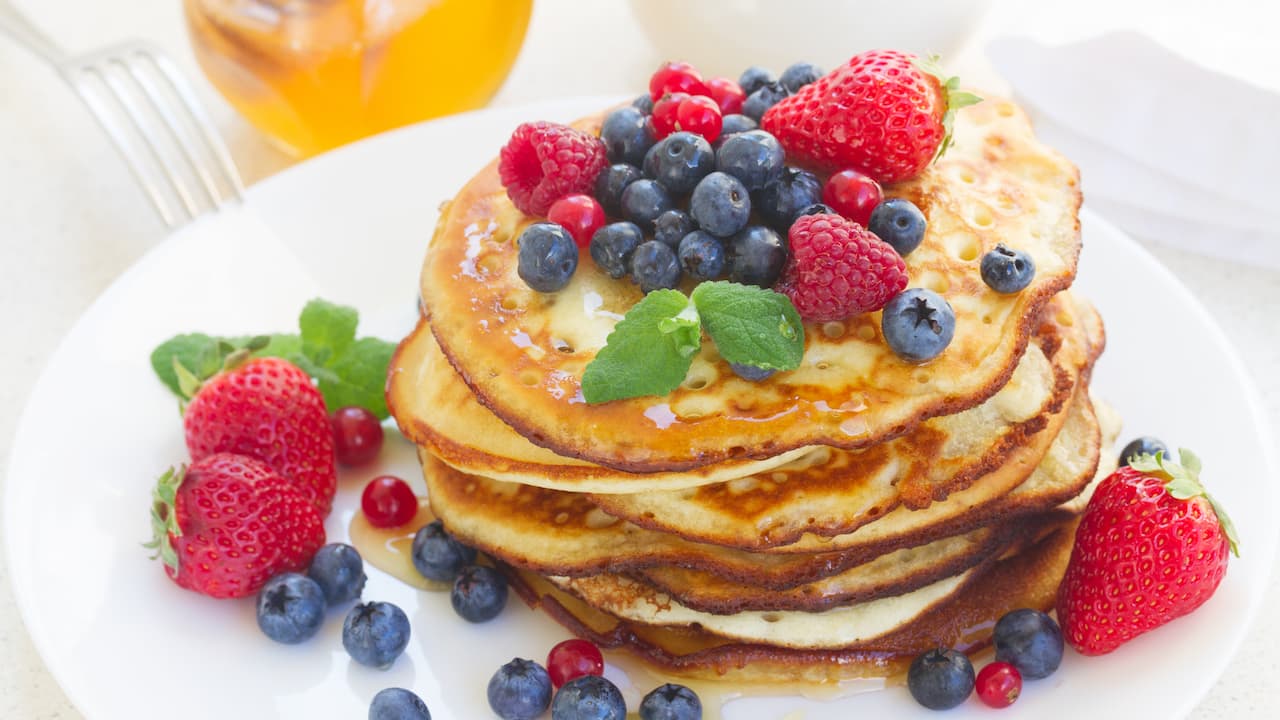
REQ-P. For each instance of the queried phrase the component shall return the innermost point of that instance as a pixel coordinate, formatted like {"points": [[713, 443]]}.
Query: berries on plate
{"points": [[1145, 445], [853, 195], [1152, 546], [626, 135], [398, 704], [290, 608], [547, 256], [720, 204], [644, 200], [1029, 640], [543, 162], [671, 227], [339, 571], [755, 157], [898, 108], [702, 256], [580, 214], [613, 246], [268, 409], [681, 160], [573, 658], [900, 223], [671, 702], [1006, 270], [734, 124], [654, 266], [754, 78], [700, 116], [437, 555], [357, 435], [728, 95], [665, 116], [918, 324], [479, 593], [756, 256], [375, 634], [388, 501], [759, 102], [519, 690], [611, 183], [799, 75], [838, 269], [674, 77], [228, 523], [940, 679], [998, 684], [779, 202], [590, 697]]}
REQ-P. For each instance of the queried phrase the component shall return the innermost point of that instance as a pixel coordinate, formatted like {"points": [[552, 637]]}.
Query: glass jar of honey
{"points": [[314, 74]]}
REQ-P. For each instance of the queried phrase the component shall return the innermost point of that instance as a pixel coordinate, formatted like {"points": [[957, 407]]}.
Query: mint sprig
{"points": [[650, 350], [348, 370], [1182, 481]]}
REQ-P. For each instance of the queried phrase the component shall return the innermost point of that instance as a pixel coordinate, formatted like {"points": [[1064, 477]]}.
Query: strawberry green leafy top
{"points": [[1182, 481]]}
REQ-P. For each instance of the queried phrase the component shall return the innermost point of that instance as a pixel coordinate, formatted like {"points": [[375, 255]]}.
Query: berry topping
{"points": [[589, 697], [613, 246], [1030, 641], [543, 162], [626, 136], [853, 195], [781, 201], [720, 204], [547, 257], [611, 183], [756, 256], [290, 608], [881, 112], [519, 690], [751, 373], [388, 501], [940, 679], [839, 269], [479, 593], [999, 684], [654, 266], [754, 78], [676, 77], [572, 659], [817, 209], [666, 115], [734, 124], [681, 160], [759, 102], [339, 571], [671, 702], [1145, 445], [398, 704], [375, 633], [702, 256], [643, 103], [671, 227], [437, 555], [1006, 270], [799, 75], [581, 215], [700, 116], [754, 156], [357, 435], [644, 200], [918, 324], [727, 94], [1151, 547], [900, 223]]}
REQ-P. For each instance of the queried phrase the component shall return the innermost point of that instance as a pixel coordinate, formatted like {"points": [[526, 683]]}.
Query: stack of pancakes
{"points": [[828, 522]]}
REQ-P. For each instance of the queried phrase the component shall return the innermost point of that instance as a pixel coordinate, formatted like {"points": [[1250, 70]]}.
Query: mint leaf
{"points": [[327, 330], [197, 352], [751, 325], [649, 351], [359, 377]]}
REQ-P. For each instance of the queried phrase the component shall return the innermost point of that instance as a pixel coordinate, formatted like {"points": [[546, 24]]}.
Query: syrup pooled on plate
{"points": [[390, 549]]}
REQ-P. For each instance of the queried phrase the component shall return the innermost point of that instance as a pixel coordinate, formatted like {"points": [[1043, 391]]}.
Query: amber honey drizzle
{"points": [[389, 549]]}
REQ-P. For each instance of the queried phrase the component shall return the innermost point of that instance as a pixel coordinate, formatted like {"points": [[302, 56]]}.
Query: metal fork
{"points": [[151, 114]]}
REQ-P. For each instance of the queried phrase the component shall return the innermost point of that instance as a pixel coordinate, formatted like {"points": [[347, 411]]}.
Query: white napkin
{"points": [[1171, 151]]}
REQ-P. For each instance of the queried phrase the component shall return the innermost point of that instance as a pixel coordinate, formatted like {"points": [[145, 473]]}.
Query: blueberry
{"points": [[755, 157], [681, 160], [701, 255], [918, 324], [643, 103], [520, 690], [754, 78], [781, 201], [761, 100], [375, 633], [589, 697], [398, 704], [1007, 271], [654, 266], [643, 201], [1145, 445], [548, 257], [339, 570], [479, 593], [613, 245], [734, 124], [799, 75], [756, 256], [1030, 641], [438, 555], [611, 183], [626, 136], [750, 372], [940, 679], [649, 168], [671, 702], [817, 209], [291, 608], [671, 226], [720, 204], [898, 222]]}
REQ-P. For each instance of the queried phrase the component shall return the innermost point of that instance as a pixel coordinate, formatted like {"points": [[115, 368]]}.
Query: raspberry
{"points": [[543, 162], [838, 269]]}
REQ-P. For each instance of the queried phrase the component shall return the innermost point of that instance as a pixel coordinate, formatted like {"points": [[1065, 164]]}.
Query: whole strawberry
{"points": [[228, 523], [268, 409], [1152, 546], [838, 269], [885, 112]]}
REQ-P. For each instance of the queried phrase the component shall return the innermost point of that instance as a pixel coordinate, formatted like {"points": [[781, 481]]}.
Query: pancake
{"points": [[523, 353]]}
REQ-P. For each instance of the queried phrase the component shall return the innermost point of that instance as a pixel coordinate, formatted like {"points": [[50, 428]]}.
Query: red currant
{"points": [[388, 502], [727, 94], [676, 77], [581, 215], [999, 684], [700, 116], [663, 119], [573, 659], [357, 435], [853, 195]]}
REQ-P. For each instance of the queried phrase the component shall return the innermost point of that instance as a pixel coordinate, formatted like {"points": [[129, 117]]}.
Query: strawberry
{"points": [[885, 112], [1152, 546], [228, 523], [268, 409]]}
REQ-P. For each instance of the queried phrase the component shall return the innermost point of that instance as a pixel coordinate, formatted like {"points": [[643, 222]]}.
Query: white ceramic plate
{"points": [[128, 644]]}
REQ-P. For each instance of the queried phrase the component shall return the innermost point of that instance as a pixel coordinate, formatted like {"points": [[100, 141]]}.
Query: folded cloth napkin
{"points": [[1169, 150]]}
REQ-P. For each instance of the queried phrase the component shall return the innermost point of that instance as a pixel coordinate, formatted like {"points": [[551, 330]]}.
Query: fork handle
{"points": [[20, 28]]}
